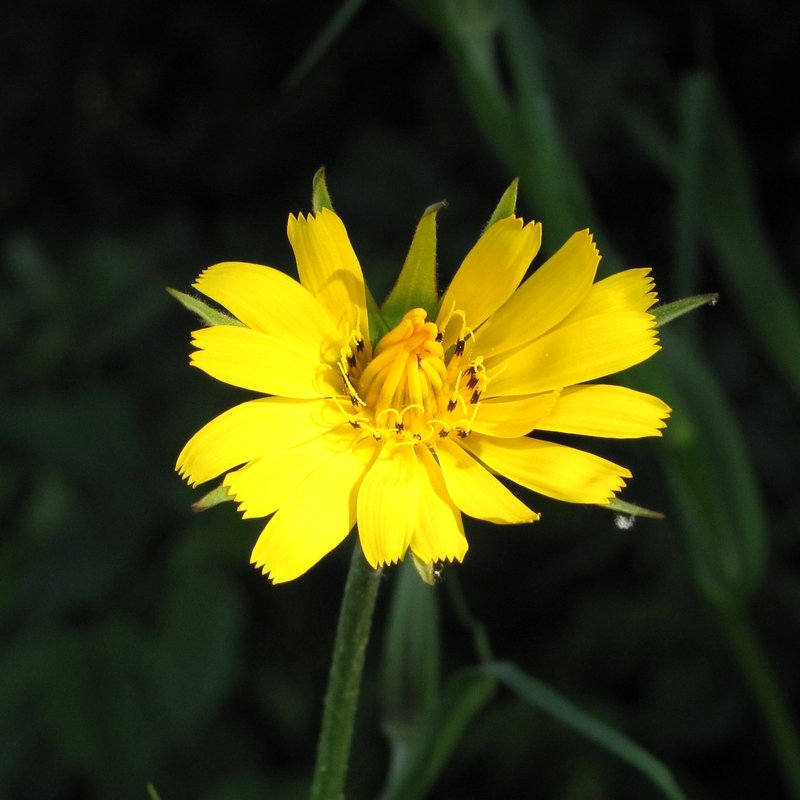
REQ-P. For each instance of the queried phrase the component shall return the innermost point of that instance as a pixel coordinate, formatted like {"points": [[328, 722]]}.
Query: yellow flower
{"points": [[403, 436]]}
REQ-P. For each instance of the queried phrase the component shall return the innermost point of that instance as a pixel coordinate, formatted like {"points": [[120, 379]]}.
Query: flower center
{"points": [[411, 388]]}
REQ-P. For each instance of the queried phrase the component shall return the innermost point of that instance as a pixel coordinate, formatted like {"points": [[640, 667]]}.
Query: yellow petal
{"points": [[554, 290], [262, 427], [615, 412], [269, 301], [512, 417], [315, 518], [254, 360], [263, 485], [630, 290], [581, 351], [329, 269], [387, 504], [439, 532], [491, 271], [550, 469], [476, 491]]}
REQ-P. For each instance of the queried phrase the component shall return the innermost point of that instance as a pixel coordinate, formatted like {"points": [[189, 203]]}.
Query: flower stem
{"points": [[341, 700], [767, 692]]}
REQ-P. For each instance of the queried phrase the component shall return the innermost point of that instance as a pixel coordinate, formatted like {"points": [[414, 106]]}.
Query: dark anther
{"points": [[359, 345], [462, 434], [417, 437], [355, 423], [440, 336], [472, 382], [451, 404], [399, 427], [351, 361], [476, 395], [460, 347], [443, 433]]}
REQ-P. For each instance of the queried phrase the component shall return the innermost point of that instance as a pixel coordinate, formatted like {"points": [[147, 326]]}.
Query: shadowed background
{"points": [[141, 142]]}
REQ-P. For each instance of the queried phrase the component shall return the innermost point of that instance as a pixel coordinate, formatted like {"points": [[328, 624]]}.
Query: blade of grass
{"points": [[547, 699], [440, 731]]}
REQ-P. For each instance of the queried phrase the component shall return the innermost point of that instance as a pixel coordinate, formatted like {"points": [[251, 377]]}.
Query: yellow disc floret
{"points": [[411, 388]]}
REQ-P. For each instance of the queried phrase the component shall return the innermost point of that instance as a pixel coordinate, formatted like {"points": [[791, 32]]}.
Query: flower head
{"points": [[403, 434]]}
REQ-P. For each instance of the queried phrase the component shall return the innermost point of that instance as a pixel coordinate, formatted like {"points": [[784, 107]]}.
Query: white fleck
{"points": [[624, 521]]}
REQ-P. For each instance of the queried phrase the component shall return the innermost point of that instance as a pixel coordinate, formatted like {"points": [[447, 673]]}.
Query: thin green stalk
{"points": [[764, 686], [341, 700]]}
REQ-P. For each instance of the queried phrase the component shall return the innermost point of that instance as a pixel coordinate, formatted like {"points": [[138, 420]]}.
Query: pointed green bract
{"points": [[377, 324], [209, 315], [426, 572], [416, 286], [632, 510], [213, 498], [671, 311], [320, 198], [507, 205]]}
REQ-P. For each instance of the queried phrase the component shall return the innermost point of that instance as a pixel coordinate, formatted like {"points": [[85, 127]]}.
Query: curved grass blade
{"points": [[547, 699], [439, 732]]}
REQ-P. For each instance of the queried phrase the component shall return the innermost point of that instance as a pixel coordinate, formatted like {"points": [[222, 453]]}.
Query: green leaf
{"points": [[151, 791], [410, 663], [507, 205], [547, 699], [670, 311], [213, 498], [438, 734], [631, 509], [416, 285], [209, 315], [377, 324], [320, 197]]}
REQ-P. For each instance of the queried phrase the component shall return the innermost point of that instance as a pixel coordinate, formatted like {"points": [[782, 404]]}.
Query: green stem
{"points": [[765, 687], [341, 700]]}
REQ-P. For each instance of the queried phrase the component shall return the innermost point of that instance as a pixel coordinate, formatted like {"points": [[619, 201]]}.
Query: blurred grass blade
{"points": [[560, 193], [730, 216], [670, 311], [410, 662], [650, 138], [209, 315], [438, 734], [151, 791], [695, 110], [713, 482], [746, 256], [468, 31], [547, 699], [338, 22]]}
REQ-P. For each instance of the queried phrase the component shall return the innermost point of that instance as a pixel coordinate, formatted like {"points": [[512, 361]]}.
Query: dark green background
{"points": [[141, 142]]}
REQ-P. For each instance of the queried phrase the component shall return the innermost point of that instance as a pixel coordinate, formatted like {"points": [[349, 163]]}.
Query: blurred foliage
{"points": [[141, 143]]}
